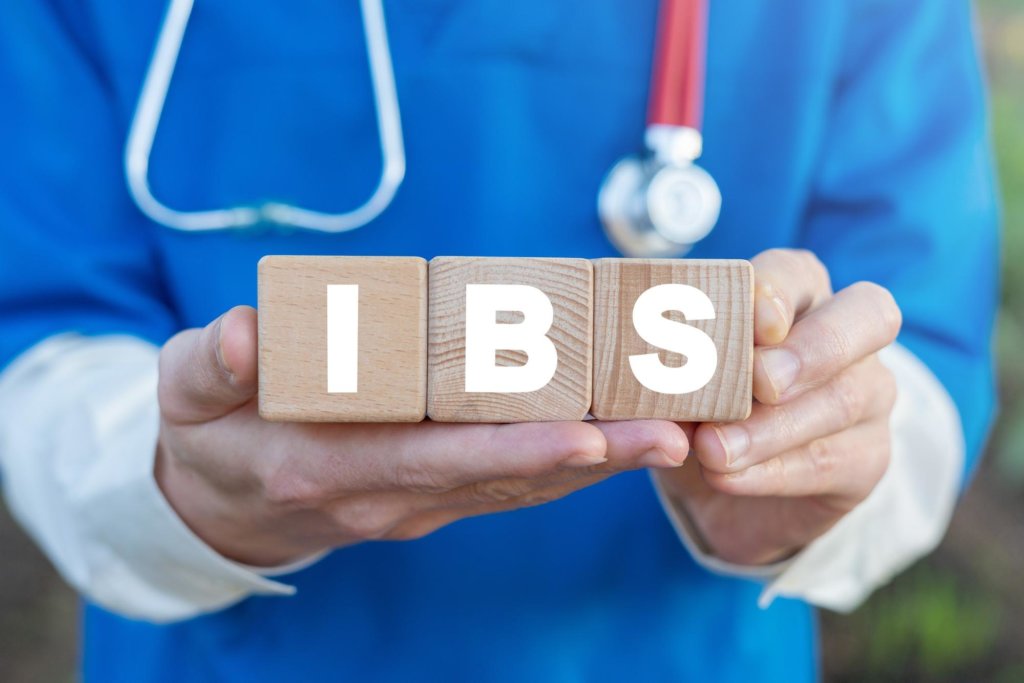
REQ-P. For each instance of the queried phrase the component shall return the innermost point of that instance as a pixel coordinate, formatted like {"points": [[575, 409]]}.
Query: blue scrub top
{"points": [[852, 128]]}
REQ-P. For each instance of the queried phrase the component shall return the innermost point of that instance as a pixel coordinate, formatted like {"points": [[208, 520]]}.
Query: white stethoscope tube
{"points": [[150, 107]]}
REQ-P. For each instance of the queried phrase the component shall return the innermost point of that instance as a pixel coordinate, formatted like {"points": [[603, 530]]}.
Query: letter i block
{"points": [[673, 339], [342, 339], [510, 339]]}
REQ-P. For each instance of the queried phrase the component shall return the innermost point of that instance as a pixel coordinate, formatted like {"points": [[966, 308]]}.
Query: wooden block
{"points": [[618, 394], [567, 284], [377, 366]]}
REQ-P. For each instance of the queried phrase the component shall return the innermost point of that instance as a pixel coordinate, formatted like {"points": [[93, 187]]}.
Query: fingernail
{"points": [[735, 441], [781, 367], [771, 321], [585, 459], [219, 336], [658, 458]]}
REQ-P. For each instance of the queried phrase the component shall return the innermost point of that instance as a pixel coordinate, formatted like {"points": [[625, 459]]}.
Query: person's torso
{"points": [[512, 114]]}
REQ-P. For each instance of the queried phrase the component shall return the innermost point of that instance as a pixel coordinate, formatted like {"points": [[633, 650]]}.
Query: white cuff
{"points": [[78, 430], [904, 518]]}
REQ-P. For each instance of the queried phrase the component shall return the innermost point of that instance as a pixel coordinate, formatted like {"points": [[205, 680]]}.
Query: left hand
{"points": [[817, 440]]}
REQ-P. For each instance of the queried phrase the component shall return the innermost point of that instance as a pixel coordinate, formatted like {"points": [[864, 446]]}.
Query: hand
{"points": [[268, 493], [817, 440]]}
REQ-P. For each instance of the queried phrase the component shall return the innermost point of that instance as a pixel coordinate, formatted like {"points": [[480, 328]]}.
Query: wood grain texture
{"points": [[569, 285], [617, 393], [391, 339]]}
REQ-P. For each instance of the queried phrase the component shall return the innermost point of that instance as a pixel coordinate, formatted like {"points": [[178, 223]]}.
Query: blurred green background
{"points": [[957, 616]]}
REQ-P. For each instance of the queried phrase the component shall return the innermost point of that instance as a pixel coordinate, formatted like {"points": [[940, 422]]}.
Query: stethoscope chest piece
{"points": [[660, 203], [654, 209]]}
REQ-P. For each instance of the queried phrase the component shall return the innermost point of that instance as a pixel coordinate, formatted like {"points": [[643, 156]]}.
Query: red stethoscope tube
{"points": [[677, 76], [659, 202]]}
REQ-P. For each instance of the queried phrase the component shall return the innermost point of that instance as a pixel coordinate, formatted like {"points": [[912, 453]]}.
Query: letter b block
{"points": [[673, 339], [342, 339], [510, 339]]}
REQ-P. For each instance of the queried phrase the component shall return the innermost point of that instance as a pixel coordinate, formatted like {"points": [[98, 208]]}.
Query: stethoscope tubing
{"points": [[659, 203], [635, 222], [149, 109], [677, 72]]}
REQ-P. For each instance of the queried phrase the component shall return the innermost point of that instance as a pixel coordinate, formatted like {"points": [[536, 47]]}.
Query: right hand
{"points": [[267, 493]]}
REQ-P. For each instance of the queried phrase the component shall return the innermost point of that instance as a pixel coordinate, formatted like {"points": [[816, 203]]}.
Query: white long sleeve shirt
{"points": [[78, 430]]}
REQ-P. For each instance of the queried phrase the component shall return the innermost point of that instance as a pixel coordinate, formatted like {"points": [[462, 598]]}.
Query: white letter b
{"points": [[485, 336]]}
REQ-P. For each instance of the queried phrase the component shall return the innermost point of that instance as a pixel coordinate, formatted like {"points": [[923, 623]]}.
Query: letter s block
{"points": [[342, 339], [510, 339], [673, 339]]}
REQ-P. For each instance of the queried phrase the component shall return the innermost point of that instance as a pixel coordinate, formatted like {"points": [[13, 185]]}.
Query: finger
{"points": [[689, 429], [500, 494], [406, 516], [842, 468], [322, 462], [435, 457], [743, 530], [862, 392], [631, 445], [856, 322], [787, 283], [207, 373], [411, 515], [419, 525], [643, 443]]}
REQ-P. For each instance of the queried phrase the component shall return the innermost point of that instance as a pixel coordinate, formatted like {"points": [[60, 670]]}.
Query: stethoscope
{"points": [[657, 203], [661, 203]]}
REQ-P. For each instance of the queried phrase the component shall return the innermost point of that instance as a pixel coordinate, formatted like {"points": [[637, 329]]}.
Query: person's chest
{"points": [[511, 115]]}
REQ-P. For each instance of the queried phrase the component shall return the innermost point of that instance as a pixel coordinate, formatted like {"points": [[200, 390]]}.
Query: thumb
{"points": [[207, 373]]}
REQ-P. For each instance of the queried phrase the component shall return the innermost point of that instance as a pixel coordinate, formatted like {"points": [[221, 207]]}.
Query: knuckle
{"points": [[775, 254], [807, 259], [165, 368], [846, 399], [801, 267], [875, 465], [163, 385], [286, 488], [882, 460], [364, 519], [164, 397], [824, 460], [884, 302], [888, 390], [893, 316], [789, 257], [536, 498], [809, 263], [496, 491]]}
